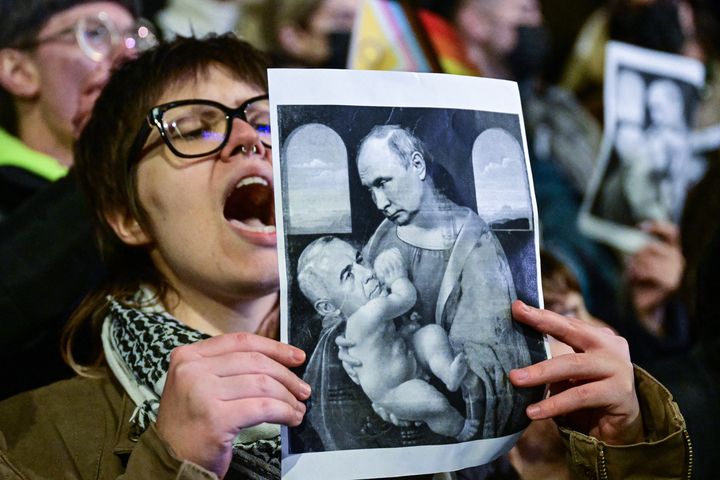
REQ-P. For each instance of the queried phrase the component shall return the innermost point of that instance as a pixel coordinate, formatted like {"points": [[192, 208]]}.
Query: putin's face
{"points": [[397, 190]]}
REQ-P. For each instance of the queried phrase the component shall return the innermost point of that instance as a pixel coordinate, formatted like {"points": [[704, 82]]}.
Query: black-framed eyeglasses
{"points": [[98, 36], [196, 128]]}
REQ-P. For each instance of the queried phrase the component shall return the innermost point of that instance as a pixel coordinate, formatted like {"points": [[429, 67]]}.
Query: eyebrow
{"points": [[378, 180], [346, 271]]}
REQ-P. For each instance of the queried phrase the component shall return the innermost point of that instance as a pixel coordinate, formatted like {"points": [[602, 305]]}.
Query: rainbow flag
{"points": [[392, 35], [388, 37], [447, 44]]}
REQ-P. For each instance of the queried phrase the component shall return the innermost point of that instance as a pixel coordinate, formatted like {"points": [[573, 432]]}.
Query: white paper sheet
{"points": [[487, 254]]}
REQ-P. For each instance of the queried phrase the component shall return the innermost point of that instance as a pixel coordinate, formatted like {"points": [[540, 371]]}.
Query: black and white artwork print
{"points": [[648, 159], [407, 233]]}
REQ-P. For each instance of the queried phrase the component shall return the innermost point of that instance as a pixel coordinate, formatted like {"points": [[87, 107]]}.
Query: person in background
{"points": [[314, 33], [509, 41], [561, 290], [295, 33], [680, 353], [493, 31], [664, 25], [56, 57]]}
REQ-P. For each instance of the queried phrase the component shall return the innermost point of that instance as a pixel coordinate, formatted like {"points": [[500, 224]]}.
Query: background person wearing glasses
{"points": [[55, 57]]}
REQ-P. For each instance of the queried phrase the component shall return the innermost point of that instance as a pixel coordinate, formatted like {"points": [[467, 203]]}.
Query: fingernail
{"points": [[533, 411], [298, 355], [519, 374], [305, 388], [525, 307]]}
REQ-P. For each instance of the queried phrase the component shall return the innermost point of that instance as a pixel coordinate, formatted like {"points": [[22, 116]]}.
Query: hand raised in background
{"points": [[654, 274]]}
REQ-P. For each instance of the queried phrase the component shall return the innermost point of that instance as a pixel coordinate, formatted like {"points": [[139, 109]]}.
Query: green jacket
{"points": [[80, 428], [666, 453], [14, 153]]}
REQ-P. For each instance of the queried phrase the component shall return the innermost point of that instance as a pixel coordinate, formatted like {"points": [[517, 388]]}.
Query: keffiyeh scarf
{"points": [[137, 343]]}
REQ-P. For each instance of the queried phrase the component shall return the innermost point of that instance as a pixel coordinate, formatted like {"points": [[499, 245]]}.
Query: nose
{"points": [[380, 199], [245, 140]]}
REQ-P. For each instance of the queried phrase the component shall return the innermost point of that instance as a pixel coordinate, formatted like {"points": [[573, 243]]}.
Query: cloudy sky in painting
{"points": [[318, 191], [501, 182]]}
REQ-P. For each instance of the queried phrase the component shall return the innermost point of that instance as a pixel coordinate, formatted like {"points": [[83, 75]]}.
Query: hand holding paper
{"points": [[222, 385], [591, 378]]}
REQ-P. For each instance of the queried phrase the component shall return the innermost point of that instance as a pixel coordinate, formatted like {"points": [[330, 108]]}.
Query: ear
{"points": [[127, 228], [326, 308], [19, 74], [418, 164]]}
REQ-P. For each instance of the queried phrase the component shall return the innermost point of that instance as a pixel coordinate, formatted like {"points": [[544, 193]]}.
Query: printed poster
{"points": [[408, 226], [649, 157]]}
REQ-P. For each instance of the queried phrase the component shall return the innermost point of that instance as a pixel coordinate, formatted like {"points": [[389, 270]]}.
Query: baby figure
{"points": [[333, 278]]}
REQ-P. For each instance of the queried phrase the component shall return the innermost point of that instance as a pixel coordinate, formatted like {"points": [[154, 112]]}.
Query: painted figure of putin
{"points": [[459, 269], [455, 262]]}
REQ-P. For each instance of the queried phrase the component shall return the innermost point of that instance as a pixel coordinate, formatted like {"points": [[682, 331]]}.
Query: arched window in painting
{"points": [[318, 190], [501, 182]]}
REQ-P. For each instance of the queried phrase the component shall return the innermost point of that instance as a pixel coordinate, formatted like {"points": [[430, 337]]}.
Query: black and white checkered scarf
{"points": [[137, 344]]}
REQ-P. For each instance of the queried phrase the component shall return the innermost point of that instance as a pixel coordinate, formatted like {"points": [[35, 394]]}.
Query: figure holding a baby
{"points": [[420, 319]]}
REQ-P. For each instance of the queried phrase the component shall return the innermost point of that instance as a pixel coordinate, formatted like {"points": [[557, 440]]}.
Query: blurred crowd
{"points": [[56, 57]]}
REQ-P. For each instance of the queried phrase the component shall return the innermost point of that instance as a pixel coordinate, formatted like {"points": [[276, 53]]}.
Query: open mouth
{"points": [[250, 205]]}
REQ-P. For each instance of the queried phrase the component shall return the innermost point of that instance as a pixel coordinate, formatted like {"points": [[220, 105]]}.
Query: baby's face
{"points": [[348, 282]]}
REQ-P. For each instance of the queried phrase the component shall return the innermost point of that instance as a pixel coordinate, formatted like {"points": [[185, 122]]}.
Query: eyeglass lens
{"points": [[96, 37], [99, 36], [199, 129]]}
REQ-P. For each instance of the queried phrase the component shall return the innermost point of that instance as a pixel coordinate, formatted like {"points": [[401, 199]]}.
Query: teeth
{"points": [[252, 181], [253, 228]]}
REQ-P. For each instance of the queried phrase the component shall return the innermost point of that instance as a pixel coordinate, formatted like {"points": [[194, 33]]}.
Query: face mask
{"points": [[527, 59], [339, 50]]}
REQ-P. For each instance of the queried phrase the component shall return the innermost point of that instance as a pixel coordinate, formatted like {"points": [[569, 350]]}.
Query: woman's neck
{"points": [[214, 317]]}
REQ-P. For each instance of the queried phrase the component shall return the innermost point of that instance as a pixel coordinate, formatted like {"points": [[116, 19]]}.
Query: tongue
{"points": [[253, 222]]}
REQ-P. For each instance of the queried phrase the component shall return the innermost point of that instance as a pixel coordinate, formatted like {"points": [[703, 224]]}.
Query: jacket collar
{"points": [[14, 153], [126, 435]]}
